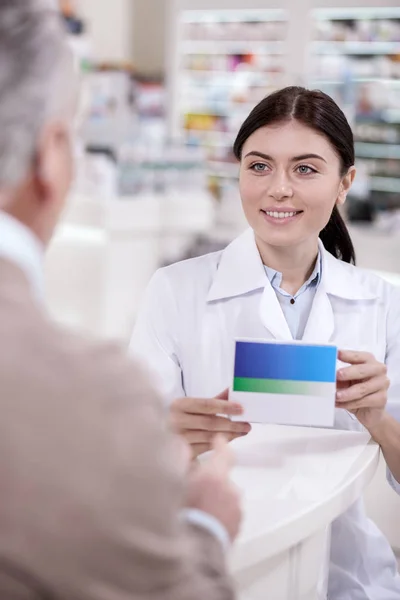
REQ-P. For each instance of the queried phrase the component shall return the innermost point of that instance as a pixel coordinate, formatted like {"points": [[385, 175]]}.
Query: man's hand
{"points": [[211, 491]]}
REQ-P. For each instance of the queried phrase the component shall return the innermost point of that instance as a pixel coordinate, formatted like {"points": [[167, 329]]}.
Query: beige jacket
{"points": [[90, 480]]}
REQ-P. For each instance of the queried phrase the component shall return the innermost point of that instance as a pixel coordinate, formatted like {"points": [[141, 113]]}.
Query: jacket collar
{"points": [[241, 271]]}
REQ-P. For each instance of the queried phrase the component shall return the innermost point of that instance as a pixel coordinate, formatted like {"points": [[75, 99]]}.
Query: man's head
{"points": [[37, 97]]}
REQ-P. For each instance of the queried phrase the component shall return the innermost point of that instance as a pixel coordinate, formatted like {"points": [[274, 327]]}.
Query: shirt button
{"points": [[292, 301]]}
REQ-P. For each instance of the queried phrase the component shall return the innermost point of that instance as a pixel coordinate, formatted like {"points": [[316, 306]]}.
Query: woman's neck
{"points": [[295, 263]]}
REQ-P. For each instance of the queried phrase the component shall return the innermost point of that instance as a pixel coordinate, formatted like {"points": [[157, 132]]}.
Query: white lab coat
{"points": [[192, 313]]}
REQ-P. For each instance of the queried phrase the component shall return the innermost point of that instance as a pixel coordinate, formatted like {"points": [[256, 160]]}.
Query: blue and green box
{"points": [[269, 376]]}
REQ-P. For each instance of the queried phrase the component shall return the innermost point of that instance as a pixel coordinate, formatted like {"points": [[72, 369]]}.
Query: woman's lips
{"points": [[281, 217]]}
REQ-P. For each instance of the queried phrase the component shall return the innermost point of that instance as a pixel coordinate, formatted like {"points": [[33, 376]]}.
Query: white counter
{"points": [[296, 482]]}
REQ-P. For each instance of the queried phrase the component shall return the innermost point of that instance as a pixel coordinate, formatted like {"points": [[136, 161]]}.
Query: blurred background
{"points": [[165, 86]]}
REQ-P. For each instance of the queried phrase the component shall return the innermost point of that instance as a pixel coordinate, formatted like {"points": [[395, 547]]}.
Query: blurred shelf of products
{"points": [[122, 135], [137, 199], [228, 60], [356, 59], [155, 142]]}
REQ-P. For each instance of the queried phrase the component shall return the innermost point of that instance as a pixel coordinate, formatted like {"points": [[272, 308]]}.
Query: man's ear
{"points": [[50, 161], [345, 186]]}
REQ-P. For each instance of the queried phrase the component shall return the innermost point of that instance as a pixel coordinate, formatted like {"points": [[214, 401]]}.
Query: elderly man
{"points": [[96, 503]]}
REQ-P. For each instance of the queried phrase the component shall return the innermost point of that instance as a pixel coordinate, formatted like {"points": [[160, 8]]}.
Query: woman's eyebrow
{"points": [[259, 154], [307, 156], [294, 159]]}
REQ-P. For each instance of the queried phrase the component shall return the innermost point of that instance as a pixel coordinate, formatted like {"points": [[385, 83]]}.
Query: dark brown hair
{"points": [[321, 113]]}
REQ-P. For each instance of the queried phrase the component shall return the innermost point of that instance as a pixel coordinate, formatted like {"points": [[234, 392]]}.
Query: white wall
{"points": [[149, 44], [133, 30], [111, 27]]}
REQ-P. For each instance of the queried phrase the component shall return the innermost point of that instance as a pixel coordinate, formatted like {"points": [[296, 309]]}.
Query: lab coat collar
{"points": [[241, 271], [340, 280]]}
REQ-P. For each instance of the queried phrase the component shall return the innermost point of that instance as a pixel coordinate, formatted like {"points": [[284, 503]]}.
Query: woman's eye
{"points": [[259, 167], [305, 170]]}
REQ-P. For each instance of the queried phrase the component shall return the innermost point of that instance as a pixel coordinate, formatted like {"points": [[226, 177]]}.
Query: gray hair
{"points": [[33, 73]]}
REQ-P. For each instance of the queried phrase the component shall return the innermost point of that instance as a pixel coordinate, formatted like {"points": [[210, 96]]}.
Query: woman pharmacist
{"points": [[290, 276]]}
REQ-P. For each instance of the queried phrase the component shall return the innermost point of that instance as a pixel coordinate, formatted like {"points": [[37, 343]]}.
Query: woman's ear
{"points": [[345, 186]]}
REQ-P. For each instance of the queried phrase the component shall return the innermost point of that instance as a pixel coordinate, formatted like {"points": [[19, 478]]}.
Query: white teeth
{"points": [[280, 215]]}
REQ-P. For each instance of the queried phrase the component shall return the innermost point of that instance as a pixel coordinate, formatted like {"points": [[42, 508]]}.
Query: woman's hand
{"points": [[362, 387], [198, 421]]}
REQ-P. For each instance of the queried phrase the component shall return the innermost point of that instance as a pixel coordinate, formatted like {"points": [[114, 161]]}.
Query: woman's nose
{"points": [[280, 187]]}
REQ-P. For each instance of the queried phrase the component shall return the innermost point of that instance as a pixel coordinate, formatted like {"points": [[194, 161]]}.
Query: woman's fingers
{"points": [[363, 389], [355, 358], [198, 420], [373, 401], [206, 406], [359, 372], [183, 421]]}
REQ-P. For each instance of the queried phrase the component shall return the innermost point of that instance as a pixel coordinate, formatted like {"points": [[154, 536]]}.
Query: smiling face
{"points": [[290, 181]]}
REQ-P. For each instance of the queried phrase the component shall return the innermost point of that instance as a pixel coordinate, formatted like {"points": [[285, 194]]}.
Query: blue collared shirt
{"points": [[296, 308]]}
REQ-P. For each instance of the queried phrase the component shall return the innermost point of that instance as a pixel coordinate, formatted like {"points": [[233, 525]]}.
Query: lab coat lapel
{"points": [[337, 281], [272, 316], [321, 323], [242, 272]]}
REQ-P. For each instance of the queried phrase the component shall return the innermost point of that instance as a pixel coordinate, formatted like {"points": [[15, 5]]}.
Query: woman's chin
{"points": [[277, 238], [284, 239]]}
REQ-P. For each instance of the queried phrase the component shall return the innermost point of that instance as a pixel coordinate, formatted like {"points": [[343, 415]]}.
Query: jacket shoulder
{"points": [[371, 281], [196, 268], [185, 277], [61, 364]]}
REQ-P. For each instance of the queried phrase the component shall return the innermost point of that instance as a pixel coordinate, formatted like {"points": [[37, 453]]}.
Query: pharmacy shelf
{"points": [[354, 26], [217, 139], [223, 169], [214, 110], [392, 116], [227, 73], [222, 174], [231, 47], [371, 150], [354, 48], [233, 16], [218, 109], [360, 80], [227, 78], [385, 184], [242, 55], [350, 13]]}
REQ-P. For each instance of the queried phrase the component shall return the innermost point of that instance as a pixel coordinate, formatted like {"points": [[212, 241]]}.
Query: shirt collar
{"points": [[21, 247], [241, 271], [275, 277]]}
